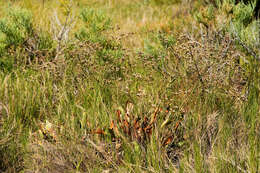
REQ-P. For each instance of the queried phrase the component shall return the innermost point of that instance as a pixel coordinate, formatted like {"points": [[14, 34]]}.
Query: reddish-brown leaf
{"points": [[118, 113], [126, 124], [177, 125], [145, 122], [168, 140], [112, 125], [99, 131], [127, 127], [136, 123]]}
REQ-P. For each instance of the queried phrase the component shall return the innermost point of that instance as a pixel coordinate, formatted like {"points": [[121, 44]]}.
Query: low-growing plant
{"points": [[16, 28], [20, 38], [96, 22]]}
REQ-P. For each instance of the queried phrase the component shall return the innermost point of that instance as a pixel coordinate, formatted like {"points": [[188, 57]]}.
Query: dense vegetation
{"points": [[129, 86]]}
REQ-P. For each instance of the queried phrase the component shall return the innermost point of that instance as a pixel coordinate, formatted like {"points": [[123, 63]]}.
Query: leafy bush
{"points": [[95, 22], [243, 13], [18, 36], [16, 28]]}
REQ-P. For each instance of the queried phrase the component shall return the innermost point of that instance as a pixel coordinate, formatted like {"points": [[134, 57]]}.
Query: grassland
{"points": [[129, 86]]}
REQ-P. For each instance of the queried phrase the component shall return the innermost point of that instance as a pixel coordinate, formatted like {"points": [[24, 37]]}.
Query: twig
{"points": [[197, 69], [61, 31]]}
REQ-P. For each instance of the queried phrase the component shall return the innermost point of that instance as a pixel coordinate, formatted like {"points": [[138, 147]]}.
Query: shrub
{"points": [[243, 13], [95, 22], [19, 37], [16, 28]]}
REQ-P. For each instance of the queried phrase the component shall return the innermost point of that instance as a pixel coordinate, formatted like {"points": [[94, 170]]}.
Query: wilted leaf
{"points": [[167, 141]]}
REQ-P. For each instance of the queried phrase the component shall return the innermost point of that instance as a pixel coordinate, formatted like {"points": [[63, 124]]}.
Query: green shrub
{"points": [[95, 22], [20, 42], [244, 29], [16, 28], [243, 13]]}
